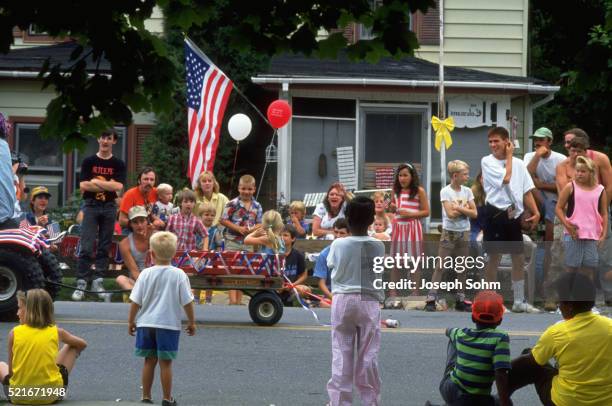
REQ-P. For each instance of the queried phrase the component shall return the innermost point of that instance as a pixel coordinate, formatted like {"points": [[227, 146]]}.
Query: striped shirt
{"points": [[479, 354], [404, 201]]}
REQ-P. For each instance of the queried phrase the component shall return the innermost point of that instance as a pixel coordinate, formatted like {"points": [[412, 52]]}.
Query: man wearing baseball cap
{"points": [[542, 166], [485, 349], [135, 247]]}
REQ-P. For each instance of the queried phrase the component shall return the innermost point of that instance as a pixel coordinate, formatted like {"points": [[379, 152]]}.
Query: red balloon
{"points": [[279, 113]]}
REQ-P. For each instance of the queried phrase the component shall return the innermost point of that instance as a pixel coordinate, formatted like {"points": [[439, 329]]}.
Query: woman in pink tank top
{"points": [[583, 212]]}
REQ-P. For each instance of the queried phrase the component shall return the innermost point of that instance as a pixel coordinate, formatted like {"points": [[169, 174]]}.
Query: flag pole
{"points": [[441, 103], [203, 55]]}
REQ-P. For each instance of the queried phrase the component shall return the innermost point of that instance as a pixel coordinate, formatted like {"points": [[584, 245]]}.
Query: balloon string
{"points": [[234, 167], [263, 173]]}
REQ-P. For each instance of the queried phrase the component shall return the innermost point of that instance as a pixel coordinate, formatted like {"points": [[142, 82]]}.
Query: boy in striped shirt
{"points": [[478, 356]]}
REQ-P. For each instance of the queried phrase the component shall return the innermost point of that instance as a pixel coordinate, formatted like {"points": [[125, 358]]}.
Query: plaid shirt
{"points": [[186, 228], [237, 214]]}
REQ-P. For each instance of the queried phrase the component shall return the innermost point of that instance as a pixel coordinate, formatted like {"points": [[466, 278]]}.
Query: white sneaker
{"points": [[77, 295], [524, 307], [595, 310], [97, 285]]}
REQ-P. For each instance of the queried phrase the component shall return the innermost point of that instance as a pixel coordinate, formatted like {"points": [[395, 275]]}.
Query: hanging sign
{"points": [[470, 112]]}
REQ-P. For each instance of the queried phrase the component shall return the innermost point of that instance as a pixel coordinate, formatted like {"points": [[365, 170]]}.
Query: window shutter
{"points": [[427, 26]]}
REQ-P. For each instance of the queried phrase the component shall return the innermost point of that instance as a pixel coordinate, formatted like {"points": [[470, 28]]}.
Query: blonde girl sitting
{"points": [[270, 237], [34, 357]]}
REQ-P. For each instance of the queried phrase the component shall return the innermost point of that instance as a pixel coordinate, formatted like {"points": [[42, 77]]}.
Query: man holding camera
{"points": [[7, 185]]}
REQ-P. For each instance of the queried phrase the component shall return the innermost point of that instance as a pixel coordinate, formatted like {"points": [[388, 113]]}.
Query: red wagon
{"points": [[258, 275]]}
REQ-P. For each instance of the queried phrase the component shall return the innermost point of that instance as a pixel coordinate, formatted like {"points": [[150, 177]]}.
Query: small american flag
{"points": [[208, 90]]}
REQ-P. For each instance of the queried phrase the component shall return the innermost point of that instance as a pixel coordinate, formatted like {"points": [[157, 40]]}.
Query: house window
{"points": [[41, 154], [92, 148], [34, 30], [45, 159], [402, 131], [366, 32]]}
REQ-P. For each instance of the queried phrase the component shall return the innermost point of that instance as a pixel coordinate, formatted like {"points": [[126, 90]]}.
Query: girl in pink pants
{"points": [[355, 310]]}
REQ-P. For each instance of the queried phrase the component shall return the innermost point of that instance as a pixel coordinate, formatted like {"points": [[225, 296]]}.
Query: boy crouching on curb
{"points": [[155, 315], [479, 356]]}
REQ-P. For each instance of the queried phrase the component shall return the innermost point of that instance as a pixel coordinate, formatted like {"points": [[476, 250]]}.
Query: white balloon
{"points": [[239, 126]]}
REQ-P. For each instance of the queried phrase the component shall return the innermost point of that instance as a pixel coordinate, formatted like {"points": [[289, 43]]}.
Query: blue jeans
{"points": [[98, 224]]}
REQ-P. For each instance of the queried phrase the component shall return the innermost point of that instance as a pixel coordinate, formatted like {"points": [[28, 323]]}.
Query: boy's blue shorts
{"points": [[158, 343]]}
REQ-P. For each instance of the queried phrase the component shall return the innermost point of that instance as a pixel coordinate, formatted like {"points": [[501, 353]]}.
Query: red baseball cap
{"points": [[488, 307]]}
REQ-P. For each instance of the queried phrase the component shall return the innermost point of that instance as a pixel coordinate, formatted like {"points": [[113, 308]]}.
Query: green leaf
{"points": [[329, 47]]}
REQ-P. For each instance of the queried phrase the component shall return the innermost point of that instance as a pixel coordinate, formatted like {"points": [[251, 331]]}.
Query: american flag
{"points": [[208, 90]]}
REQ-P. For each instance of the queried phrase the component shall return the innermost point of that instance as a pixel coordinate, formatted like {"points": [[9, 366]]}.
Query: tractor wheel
{"points": [[266, 308], [51, 271], [18, 271]]}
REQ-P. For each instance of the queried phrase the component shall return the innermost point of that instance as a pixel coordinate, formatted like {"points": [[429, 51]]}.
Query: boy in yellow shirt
{"points": [[582, 346]]}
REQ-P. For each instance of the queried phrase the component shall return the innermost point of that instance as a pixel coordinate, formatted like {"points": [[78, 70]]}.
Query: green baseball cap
{"points": [[542, 132]]}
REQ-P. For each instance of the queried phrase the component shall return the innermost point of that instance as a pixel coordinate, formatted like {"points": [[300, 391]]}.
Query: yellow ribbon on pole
{"points": [[443, 129]]}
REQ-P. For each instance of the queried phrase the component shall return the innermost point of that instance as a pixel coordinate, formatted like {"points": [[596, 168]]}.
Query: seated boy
{"points": [[321, 270], [185, 225], [206, 211], [163, 207], [295, 268], [241, 216], [484, 349], [582, 346], [297, 211]]}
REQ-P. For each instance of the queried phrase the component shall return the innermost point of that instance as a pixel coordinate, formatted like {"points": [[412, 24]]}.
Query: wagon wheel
{"points": [[266, 308]]}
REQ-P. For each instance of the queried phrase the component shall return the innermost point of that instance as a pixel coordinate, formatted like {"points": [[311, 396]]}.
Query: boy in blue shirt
{"points": [[321, 270]]}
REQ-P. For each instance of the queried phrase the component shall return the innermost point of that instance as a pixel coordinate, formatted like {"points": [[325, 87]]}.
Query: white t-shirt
{"points": [[500, 195], [161, 291], [327, 221], [547, 169], [461, 197], [351, 261]]}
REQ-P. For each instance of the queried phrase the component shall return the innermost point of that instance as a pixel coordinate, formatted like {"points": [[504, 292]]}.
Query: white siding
{"points": [[155, 24], [490, 35], [24, 98]]}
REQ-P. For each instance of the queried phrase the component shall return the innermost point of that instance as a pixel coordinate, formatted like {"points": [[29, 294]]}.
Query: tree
{"points": [[574, 50], [142, 74]]}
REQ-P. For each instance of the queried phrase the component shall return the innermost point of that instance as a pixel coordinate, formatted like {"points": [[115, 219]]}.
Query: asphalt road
{"points": [[231, 361]]}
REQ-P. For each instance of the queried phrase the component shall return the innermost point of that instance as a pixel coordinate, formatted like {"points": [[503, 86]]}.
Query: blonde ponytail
{"points": [[273, 225]]}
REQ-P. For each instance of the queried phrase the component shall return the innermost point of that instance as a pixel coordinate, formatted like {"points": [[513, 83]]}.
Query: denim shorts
{"points": [[580, 253], [549, 208]]}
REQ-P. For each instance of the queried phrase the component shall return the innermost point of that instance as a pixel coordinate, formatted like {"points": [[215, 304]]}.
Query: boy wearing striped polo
{"points": [[478, 356]]}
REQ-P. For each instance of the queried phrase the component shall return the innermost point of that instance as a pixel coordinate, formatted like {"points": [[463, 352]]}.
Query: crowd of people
{"points": [[508, 198]]}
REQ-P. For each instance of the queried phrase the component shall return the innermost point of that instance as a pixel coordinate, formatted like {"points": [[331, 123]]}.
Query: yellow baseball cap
{"points": [[39, 190]]}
